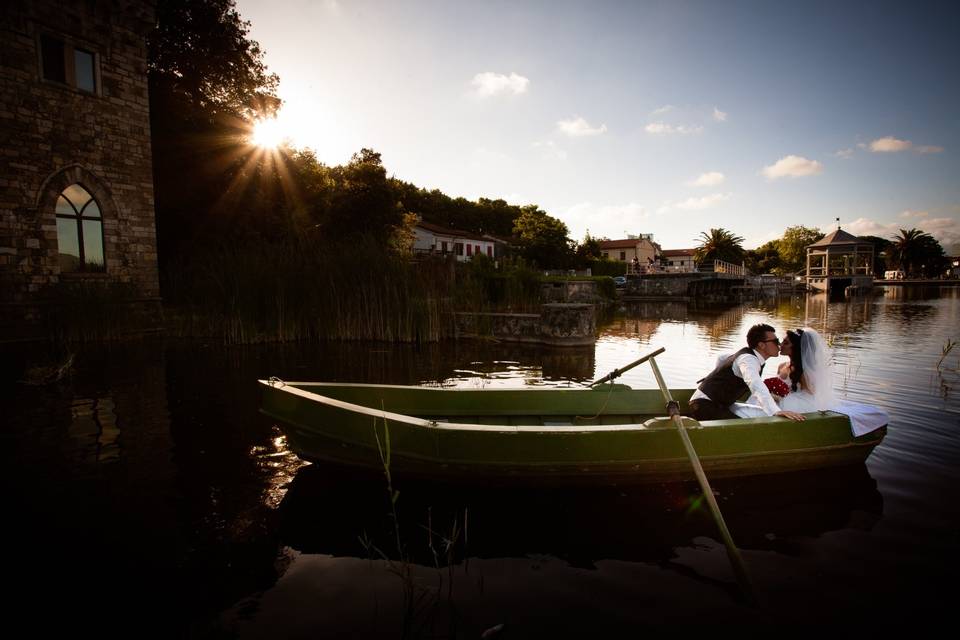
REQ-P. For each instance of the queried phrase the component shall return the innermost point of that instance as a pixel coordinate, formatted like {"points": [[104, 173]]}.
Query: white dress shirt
{"points": [[747, 368]]}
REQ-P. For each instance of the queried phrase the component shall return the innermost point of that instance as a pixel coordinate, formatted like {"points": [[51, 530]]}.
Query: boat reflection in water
{"points": [[580, 526]]}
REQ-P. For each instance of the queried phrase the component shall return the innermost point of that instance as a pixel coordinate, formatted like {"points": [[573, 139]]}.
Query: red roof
{"points": [[671, 253], [445, 231], [629, 243]]}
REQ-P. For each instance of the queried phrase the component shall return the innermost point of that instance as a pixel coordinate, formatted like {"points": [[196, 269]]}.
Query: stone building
{"points": [[76, 183]]}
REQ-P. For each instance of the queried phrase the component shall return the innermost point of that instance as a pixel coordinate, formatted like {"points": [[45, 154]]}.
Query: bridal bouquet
{"points": [[777, 387]]}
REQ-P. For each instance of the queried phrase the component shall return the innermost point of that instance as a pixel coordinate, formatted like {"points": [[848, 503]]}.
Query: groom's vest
{"points": [[722, 385]]}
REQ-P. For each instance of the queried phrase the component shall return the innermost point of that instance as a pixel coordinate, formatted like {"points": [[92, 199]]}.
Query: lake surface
{"points": [[146, 496]]}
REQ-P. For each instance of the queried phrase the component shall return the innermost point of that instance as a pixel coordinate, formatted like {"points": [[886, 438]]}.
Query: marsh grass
{"points": [[295, 291], [945, 351], [423, 604]]}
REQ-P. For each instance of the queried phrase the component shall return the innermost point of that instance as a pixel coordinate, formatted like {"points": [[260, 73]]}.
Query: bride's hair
{"points": [[796, 361]]}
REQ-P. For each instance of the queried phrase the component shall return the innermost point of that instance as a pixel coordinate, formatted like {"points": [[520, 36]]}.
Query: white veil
{"points": [[817, 361]]}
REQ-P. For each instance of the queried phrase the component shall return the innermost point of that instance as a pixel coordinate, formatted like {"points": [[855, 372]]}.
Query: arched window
{"points": [[79, 231]]}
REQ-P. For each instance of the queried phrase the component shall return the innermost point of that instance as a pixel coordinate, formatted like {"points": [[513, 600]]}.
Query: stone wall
{"points": [[569, 291], [556, 324], [53, 134], [697, 286]]}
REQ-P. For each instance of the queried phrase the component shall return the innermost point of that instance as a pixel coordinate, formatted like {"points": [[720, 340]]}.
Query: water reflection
{"points": [[581, 526], [94, 429]]}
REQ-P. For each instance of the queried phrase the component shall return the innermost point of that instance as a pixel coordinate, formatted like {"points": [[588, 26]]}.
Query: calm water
{"points": [[146, 496]]}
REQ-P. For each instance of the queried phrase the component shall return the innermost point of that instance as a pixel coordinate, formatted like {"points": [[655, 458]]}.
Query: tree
{"points": [[792, 247], [719, 244], [881, 252], [543, 238], [363, 202], [201, 64], [907, 248], [207, 84], [764, 259], [933, 262], [588, 251]]}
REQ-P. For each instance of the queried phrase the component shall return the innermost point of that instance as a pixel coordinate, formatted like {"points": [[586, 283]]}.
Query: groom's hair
{"points": [[757, 333]]}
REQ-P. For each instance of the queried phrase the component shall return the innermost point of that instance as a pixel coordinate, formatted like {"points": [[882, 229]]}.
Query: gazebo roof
{"points": [[838, 237]]}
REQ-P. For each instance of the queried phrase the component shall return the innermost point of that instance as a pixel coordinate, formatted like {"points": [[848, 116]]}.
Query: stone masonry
{"points": [[53, 134]]}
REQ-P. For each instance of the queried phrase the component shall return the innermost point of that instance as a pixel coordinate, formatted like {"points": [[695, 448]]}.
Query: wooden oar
{"points": [[673, 410], [616, 373]]}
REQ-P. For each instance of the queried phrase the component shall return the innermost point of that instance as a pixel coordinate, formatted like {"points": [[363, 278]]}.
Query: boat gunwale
{"points": [[290, 387]]}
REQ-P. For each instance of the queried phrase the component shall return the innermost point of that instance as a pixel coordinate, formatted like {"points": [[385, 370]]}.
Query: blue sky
{"points": [[640, 117]]}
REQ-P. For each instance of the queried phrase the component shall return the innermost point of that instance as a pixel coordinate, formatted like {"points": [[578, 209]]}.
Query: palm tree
{"points": [[719, 244], [907, 248]]}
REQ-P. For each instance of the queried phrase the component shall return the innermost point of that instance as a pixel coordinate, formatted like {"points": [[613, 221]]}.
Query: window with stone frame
{"points": [[79, 231], [64, 63]]}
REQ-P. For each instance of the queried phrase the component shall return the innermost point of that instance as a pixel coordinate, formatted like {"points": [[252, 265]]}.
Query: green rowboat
{"points": [[609, 433]]}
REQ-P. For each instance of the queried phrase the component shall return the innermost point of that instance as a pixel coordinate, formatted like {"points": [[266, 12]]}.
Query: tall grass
{"points": [[483, 287], [294, 290]]}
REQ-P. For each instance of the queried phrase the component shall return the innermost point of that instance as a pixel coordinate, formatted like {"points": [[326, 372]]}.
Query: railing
{"points": [[720, 266], [643, 269]]}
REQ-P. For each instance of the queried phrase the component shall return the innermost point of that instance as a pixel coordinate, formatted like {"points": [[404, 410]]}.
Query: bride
{"points": [[809, 372], [810, 376]]}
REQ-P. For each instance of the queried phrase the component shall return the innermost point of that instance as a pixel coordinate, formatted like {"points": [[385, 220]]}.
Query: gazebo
{"points": [[839, 261]]}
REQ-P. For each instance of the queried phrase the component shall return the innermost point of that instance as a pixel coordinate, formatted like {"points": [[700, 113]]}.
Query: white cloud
{"points": [[719, 116], [792, 166], [695, 204], [610, 220], [659, 128], [709, 179], [889, 144], [488, 84], [664, 109], [846, 154], [551, 150], [945, 230], [578, 127]]}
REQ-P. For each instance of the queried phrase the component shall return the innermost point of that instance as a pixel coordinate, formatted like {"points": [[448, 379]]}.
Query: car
{"points": [[620, 281]]}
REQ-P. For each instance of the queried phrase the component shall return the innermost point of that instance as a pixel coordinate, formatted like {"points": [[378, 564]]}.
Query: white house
{"points": [[434, 239], [678, 260]]}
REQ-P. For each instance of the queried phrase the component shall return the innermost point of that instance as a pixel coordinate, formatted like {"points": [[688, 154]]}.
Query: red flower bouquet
{"points": [[777, 386]]}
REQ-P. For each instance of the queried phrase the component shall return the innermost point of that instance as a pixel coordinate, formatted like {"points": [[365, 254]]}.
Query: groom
{"points": [[737, 374]]}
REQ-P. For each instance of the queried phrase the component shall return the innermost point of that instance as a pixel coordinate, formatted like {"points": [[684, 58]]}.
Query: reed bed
{"points": [[296, 291]]}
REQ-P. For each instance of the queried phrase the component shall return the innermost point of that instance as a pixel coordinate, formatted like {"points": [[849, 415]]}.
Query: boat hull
{"points": [[539, 435]]}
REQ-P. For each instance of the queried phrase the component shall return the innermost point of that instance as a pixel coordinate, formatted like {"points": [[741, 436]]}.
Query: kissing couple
{"points": [[808, 375]]}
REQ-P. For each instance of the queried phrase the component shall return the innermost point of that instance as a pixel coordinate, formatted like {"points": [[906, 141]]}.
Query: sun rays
{"points": [[267, 134]]}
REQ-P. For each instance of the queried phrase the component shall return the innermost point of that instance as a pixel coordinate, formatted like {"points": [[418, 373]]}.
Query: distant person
{"points": [[737, 374]]}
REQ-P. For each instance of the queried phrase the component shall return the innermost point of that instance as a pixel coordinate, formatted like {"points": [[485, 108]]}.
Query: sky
{"points": [[620, 118]]}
